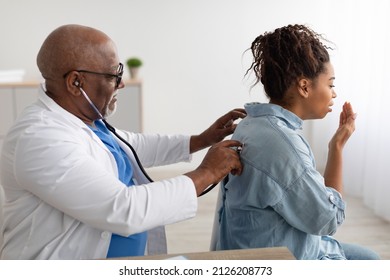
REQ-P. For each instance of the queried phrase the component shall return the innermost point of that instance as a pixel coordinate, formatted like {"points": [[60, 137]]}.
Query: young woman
{"points": [[280, 199]]}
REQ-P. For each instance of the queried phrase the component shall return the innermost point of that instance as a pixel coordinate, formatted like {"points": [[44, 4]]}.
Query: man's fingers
{"points": [[231, 116], [229, 143]]}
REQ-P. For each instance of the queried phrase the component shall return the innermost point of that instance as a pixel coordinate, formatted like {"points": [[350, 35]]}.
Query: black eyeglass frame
{"points": [[117, 76]]}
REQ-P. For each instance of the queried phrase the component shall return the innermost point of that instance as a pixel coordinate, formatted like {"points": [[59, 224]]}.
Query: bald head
{"points": [[72, 47]]}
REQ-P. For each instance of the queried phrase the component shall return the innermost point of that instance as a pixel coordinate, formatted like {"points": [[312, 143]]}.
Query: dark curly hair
{"points": [[281, 57]]}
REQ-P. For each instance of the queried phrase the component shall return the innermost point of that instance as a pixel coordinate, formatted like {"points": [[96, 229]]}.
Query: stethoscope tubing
{"points": [[112, 129]]}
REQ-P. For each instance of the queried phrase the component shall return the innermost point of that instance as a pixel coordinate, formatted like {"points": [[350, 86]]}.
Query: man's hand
{"points": [[221, 128], [219, 161]]}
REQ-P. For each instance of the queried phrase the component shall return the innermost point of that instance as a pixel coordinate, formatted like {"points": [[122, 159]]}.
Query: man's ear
{"points": [[73, 83], [303, 87]]}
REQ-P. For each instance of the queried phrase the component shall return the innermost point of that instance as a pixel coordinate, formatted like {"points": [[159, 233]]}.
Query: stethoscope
{"points": [[113, 131]]}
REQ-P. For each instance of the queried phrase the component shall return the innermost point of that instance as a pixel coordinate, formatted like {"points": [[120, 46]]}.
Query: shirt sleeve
{"points": [[157, 149], [310, 206]]}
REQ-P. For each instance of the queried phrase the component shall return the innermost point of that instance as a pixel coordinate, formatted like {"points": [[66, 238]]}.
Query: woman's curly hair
{"points": [[281, 57]]}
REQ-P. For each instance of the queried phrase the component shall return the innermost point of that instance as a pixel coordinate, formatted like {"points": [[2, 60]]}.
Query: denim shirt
{"points": [[280, 199]]}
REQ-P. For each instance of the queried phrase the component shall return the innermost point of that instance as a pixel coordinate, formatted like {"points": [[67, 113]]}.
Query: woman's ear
{"points": [[303, 87]]}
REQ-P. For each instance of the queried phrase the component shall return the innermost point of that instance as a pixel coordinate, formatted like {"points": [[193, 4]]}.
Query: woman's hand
{"points": [[345, 129], [333, 174]]}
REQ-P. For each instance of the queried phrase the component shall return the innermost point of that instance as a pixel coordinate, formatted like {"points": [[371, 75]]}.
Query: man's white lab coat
{"points": [[63, 198]]}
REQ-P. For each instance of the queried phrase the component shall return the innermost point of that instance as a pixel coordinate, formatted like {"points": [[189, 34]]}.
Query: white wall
{"points": [[193, 50]]}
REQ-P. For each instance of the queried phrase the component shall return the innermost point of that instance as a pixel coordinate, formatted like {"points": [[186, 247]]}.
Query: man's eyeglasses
{"points": [[117, 76]]}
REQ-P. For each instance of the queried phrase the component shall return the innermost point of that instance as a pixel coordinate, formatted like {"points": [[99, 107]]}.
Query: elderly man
{"points": [[72, 189]]}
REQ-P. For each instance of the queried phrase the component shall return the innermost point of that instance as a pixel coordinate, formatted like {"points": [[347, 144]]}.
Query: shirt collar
{"points": [[256, 109]]}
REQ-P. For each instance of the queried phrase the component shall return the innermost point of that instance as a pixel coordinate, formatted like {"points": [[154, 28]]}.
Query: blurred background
{"points": [[194, 62]]}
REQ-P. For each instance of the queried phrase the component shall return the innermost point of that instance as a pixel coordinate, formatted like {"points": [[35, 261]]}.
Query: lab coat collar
{"points": [[53, 106]]}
